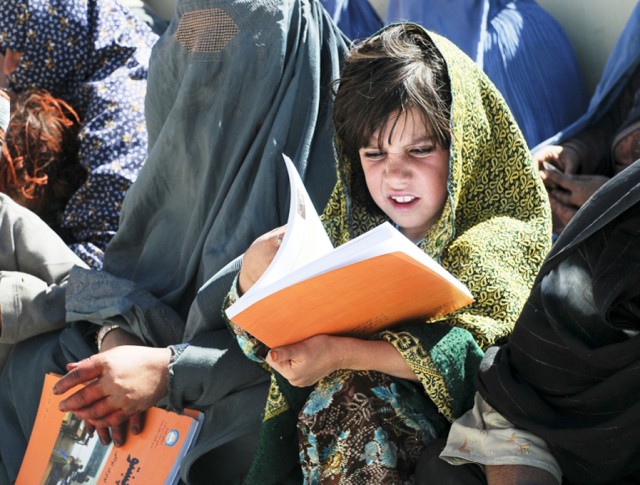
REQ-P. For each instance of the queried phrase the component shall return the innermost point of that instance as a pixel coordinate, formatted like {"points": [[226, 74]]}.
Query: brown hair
{"points": [[39, 165], [395, 70]]}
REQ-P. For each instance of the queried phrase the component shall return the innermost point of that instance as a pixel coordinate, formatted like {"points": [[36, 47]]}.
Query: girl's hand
{"points": [[305, 363], [258, 257]]}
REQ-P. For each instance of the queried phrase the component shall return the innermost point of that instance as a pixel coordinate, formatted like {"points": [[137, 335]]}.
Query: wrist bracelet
{"points": [[102, 333], [176, 351]]}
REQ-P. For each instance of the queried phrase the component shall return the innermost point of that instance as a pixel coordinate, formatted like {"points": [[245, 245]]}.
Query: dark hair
{"points": [[395, 70], [39, 165]]}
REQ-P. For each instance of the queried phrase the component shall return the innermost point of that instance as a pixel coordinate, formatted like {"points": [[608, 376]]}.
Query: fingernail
{"points": [[274, 355], [135, 429], [104, 441], [117, 442], [62, 407]]}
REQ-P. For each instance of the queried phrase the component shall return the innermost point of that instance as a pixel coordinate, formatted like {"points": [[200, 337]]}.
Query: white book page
{"points": [[304, 239]]}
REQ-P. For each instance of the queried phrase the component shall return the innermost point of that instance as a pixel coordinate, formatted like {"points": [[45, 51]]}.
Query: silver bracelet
{"points": [[102, 333]]}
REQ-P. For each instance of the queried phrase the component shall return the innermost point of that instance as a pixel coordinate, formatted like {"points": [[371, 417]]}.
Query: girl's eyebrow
{"points": [[422, 139], [373, 143]]}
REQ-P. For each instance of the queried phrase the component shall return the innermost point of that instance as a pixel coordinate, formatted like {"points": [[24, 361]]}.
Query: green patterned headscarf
{"points": [[493, 233]]}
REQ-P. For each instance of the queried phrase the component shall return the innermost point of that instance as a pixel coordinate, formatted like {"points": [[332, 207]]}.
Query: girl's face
{"points": [[407, 175]]}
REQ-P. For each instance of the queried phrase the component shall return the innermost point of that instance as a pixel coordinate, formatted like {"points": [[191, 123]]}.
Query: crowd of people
{"points": [[143, 192]]}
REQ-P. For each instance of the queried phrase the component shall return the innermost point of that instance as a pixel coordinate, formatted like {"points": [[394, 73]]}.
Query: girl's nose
{"points": [[396, 167]]}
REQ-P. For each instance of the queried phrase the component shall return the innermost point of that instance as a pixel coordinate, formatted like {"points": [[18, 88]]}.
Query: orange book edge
{"points": [[358, 300]]}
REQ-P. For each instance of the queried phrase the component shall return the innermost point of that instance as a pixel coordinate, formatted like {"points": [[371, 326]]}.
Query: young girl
{"points": [[424, 140]]}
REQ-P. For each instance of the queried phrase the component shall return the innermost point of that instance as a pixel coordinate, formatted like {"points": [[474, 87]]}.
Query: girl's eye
{"points": [[373, 154], [422, 150]]}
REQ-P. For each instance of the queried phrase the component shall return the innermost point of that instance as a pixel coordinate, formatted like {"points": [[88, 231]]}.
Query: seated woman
{"points": [[578, 160], [425, 141], [558, 402], [213, 182], [521, 47], [39, 166], [94, 55]]}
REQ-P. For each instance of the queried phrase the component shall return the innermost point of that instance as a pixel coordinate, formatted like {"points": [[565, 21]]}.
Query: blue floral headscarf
{"points": [[94, 55]]}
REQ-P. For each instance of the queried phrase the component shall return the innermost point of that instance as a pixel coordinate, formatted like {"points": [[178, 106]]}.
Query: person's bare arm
{"points": [[518, 475], [305, 363]]}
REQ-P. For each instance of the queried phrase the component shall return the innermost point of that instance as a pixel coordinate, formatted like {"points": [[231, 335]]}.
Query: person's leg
{"points": [[432, 469], [21, 386], [509, 455], [518, 475]]}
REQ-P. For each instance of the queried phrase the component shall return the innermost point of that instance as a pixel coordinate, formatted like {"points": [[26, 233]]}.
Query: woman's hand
{"points": [[306, 362], [564, 158], [574, 190], [258, 257], [570, 192], [120, 384]]}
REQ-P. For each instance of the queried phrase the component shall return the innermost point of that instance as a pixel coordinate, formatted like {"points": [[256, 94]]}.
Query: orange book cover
{"points": [[376, 280], [358, 300], [61, 450]]}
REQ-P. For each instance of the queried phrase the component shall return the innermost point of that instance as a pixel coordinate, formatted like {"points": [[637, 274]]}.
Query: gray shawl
{"points": [[232, 85]]}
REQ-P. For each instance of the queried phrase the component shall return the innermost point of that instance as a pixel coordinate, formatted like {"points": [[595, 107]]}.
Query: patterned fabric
{"points": [[93, 54], [493, 235], [363, 428]]}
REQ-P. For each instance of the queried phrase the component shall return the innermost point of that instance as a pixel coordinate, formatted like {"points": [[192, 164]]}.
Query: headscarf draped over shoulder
{"points": [[493, 233]]}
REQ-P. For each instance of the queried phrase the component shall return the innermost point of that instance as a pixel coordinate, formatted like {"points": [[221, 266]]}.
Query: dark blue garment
{"points": [[621, 64], [356, 18], [523, 50]]}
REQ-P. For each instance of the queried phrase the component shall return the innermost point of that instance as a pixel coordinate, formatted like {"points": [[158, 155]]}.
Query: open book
{"points": [[61, 451], [370, 283]]}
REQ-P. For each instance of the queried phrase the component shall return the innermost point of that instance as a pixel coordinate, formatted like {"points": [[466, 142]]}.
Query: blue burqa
{"points": [[232, 85], [521, 47], [356, 18], [621, 64]]}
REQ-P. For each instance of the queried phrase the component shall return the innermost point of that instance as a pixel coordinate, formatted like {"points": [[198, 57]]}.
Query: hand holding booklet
{"points": [[62, 451], [368, 284]]}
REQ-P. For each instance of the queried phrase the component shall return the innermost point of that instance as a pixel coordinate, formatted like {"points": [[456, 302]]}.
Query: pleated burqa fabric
{"points": [[233, 84]]}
